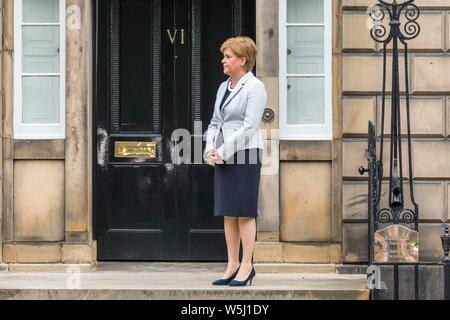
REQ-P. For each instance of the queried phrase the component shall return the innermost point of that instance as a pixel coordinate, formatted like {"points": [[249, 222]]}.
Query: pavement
{"points": [[176, 281]]}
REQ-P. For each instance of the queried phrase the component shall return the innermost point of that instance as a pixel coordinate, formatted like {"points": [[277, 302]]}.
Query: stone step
{"points": [[294, 268], [181, 294], [177, 281]]}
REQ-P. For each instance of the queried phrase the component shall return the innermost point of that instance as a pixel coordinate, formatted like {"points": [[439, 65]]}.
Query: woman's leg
{"points": [[247, 230], [232, 238]]}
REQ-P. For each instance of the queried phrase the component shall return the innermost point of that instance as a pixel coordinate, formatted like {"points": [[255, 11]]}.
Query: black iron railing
{"points": [[392, 31], [397, 34], [446, 262]]}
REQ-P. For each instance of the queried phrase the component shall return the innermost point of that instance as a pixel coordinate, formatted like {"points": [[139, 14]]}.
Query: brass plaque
{"points": [[133, 149], [396, 244]]}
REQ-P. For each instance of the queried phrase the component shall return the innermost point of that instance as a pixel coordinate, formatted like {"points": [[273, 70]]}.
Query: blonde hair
{"points": [[242, 47]]}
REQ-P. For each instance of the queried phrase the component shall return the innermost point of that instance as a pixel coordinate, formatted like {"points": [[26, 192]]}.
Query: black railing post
{"points": [[397, 213], [447, 282], [446, 262]]}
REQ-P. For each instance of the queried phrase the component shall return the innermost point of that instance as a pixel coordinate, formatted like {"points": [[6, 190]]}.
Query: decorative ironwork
{"points": [[196, 61], [411, 28], [396, 216], [115, 65], [446, 262], [156, 65], [237, 17], [396, 213], [400, 26], [446, 246]]}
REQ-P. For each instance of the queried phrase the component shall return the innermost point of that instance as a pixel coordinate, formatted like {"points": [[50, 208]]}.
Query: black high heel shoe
{"points": [[236, 283], [224, 282]]}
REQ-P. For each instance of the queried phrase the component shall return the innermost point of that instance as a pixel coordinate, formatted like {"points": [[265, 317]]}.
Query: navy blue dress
{"points": [[236, 182]]}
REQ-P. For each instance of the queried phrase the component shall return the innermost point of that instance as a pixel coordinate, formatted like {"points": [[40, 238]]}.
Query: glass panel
{"points": [[41, 11], [306, 101], [40, 49], [305, 11], [40, 100], [305, 50]]}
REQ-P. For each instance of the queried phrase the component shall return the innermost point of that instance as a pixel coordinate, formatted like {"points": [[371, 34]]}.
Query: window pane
{"points": [[40, 49], [306, 101], [41, 11], [305, 11], [305, 50], [40, 100]]}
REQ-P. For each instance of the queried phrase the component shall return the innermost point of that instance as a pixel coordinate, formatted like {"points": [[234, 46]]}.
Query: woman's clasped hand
{"points": [[214, 158]]}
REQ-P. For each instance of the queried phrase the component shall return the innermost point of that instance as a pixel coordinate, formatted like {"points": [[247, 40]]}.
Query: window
{"points": [[305, 69], [39, 79]]}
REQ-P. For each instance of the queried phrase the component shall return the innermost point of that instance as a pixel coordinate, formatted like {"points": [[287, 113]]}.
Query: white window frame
{"points": [[38, 131], [306, 132]]}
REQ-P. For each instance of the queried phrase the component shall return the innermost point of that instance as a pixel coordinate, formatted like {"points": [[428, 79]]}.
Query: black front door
{"points": [[157, 69]]}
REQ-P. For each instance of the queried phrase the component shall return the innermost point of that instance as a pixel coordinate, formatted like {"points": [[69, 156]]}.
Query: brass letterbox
{"points": [[135, 149]]}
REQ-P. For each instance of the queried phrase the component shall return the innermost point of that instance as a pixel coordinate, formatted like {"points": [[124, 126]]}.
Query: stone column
{"points": [[336, 180], [7, 121], [77, 99], [268, 70], [1, 149]]}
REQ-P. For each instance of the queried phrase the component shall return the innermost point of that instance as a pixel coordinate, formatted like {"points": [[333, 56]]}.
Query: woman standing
{"points": [[234, 147]]}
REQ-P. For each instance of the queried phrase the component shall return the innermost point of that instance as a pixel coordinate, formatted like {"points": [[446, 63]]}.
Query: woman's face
{"points": [[232, 65]]}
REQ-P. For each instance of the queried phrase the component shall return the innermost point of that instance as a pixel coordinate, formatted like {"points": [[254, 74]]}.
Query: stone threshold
{"points": [[46, 267], [83, 268]]}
